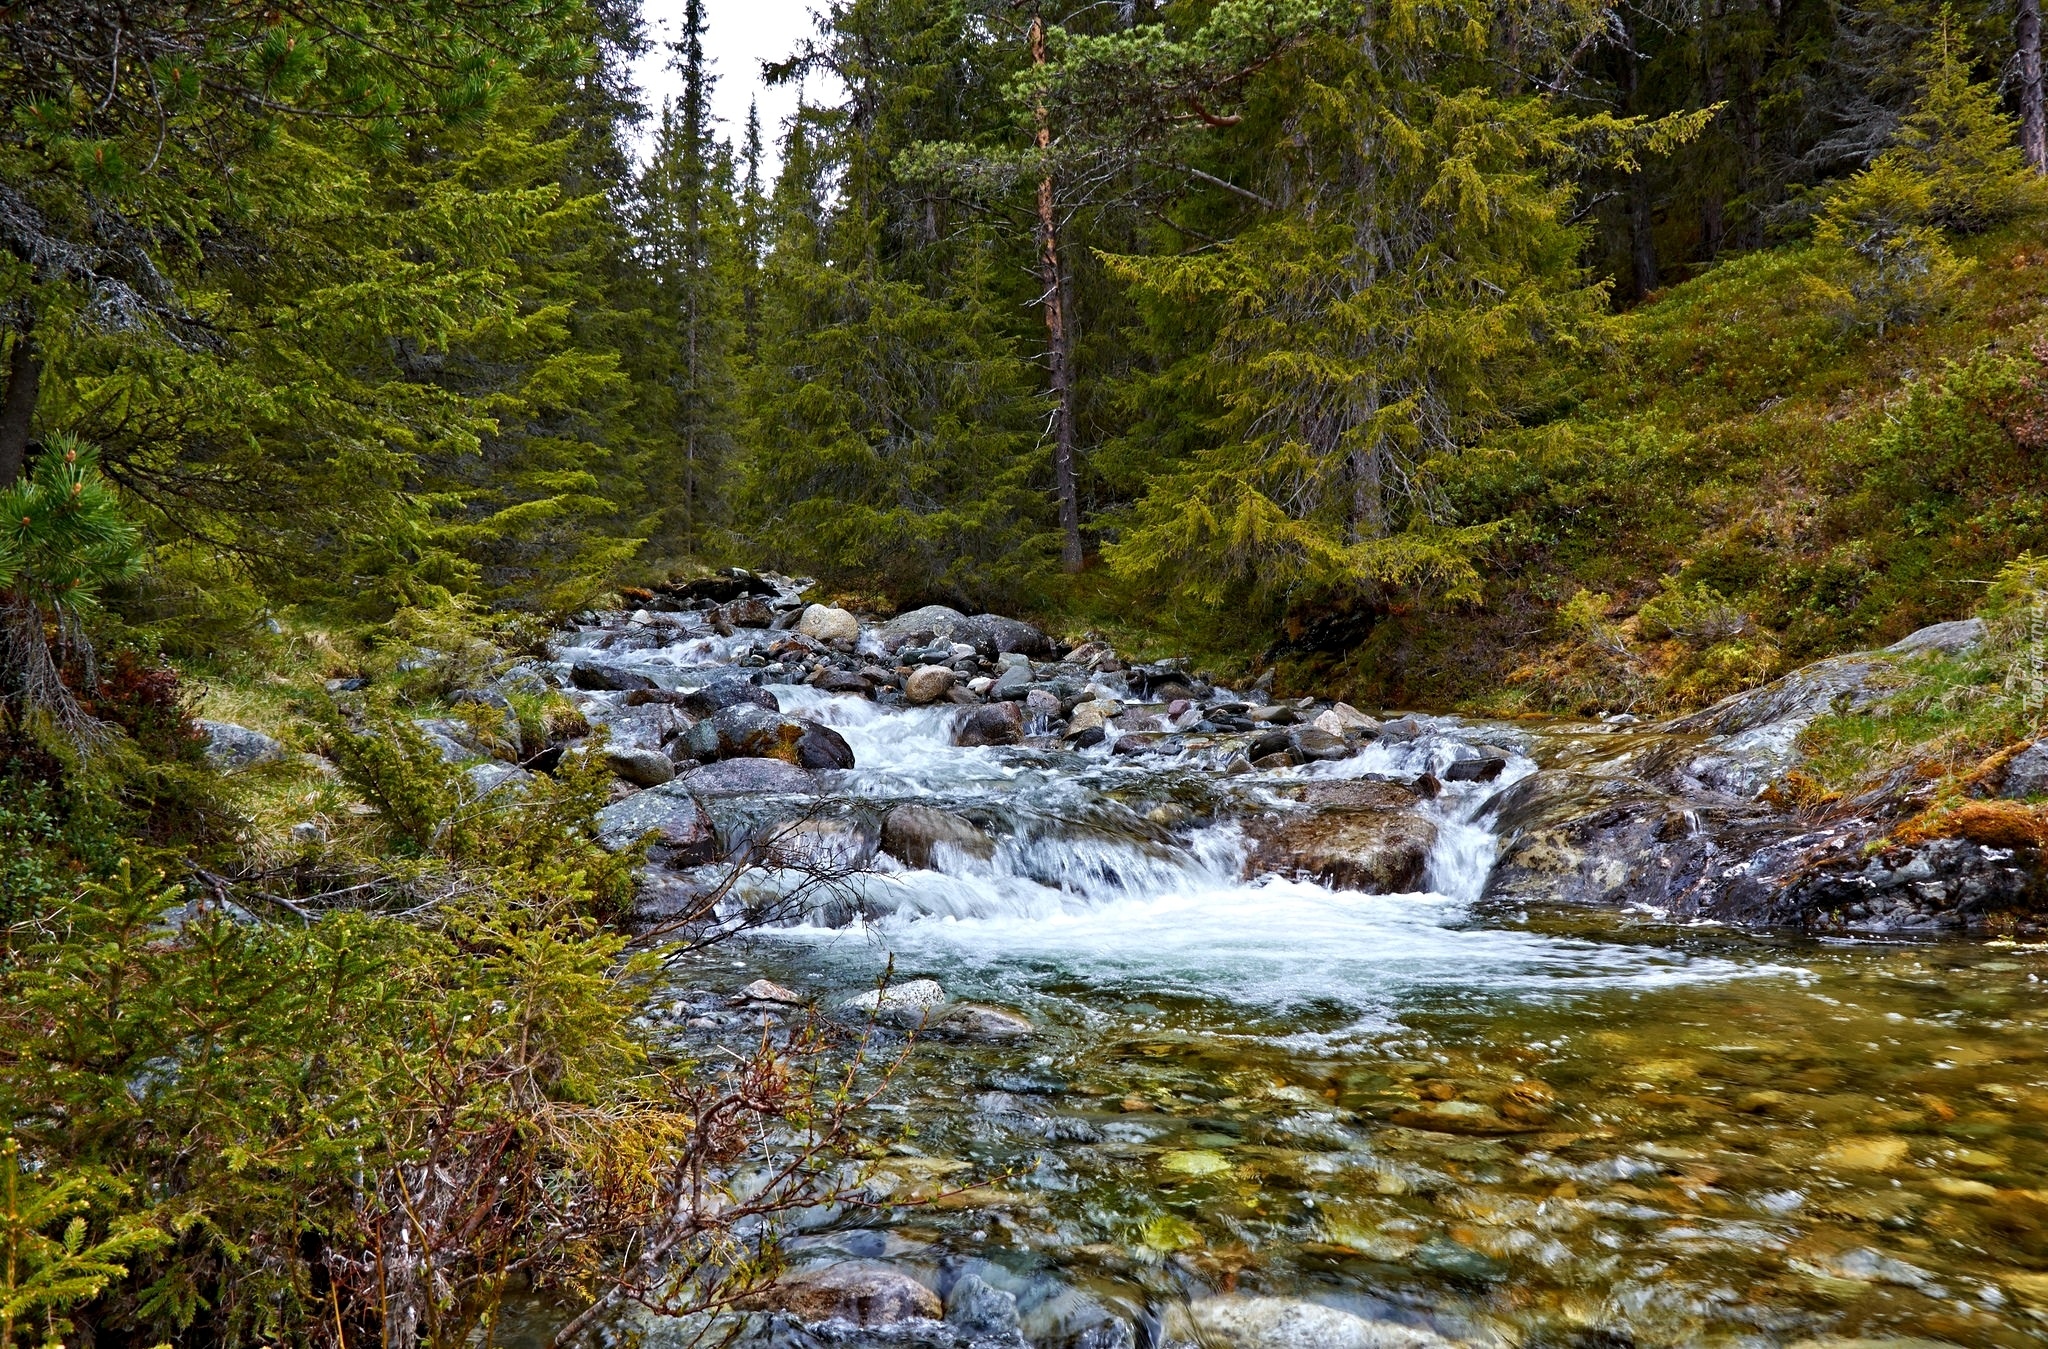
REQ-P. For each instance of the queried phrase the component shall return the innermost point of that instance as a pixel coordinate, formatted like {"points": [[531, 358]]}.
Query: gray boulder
{"points": [[641, 767], [744, 731], [230, 746], [683, 833], [607, 677], [746, 777], [1960, 635], [2026, 773], [1015, 682], [731, 688], [937, 622]]}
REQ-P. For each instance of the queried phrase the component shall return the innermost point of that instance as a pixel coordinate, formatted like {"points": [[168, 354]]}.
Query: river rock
{"points": [[989, 1025], [820, 748], [230, 746], [1344, 719], [641, 767], [747, 777], [904, 1004], [995, 724], [767, 990], [683, 834], [1093, 714], [823, 623], [1357, 834], [982, 1310], [750, 611], [607, 677], [867, 1293], [1483, 769], [744, 731], [731, 688], [912, 835], [1285, 1323], [927, 684], [1012, 683], [1314, 743]]}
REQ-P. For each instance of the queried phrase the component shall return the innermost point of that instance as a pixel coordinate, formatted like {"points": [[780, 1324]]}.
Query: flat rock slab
{"points": [[867, 1293]]}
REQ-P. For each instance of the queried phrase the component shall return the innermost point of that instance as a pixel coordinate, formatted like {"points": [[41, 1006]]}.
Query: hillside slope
{"points": [[1733, 484]]}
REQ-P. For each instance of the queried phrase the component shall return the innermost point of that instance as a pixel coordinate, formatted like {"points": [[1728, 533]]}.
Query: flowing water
{"points": [[1516, 1127]]}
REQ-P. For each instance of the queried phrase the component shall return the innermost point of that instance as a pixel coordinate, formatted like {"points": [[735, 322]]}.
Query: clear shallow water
{"points": [[1522, 1128]]}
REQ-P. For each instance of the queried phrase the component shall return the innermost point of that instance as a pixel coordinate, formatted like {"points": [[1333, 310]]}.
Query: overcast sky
{"points": [[739, 35]]}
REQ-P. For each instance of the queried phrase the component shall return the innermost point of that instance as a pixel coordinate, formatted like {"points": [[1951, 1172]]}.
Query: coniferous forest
{"points": [[376, 371]]}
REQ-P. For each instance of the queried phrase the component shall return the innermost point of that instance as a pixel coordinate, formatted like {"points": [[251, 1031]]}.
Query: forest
{"points": [[1492, 357]]}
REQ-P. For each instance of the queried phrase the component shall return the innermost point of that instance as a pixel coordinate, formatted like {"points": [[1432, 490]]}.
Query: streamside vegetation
{"points": [[1516, 355]]}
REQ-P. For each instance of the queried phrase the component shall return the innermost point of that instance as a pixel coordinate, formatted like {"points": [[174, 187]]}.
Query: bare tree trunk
{"points": [[17, 412], [1642, 243], [1053, 279], [2033, 122]]}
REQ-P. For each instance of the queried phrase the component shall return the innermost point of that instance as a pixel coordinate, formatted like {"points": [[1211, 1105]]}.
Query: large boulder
{"points": [[823, 623], [230, 746], [868, 1294], [994, 724], [728, 688], [744, 731], [913, 835], [682, 829], [937, 622], [1356, 834], [602, 676], [641, 767], [747, 777]]}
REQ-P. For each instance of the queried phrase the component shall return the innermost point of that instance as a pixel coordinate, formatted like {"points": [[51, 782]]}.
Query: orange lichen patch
{"points": [[1799, 790], [1992, 770], [1995, 824]]}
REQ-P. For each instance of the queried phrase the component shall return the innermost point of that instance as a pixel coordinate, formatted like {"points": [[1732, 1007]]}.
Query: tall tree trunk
{"points": [[1713, 207], [2033, 121], [17, 412], [1059, 353], [1642, 244]]}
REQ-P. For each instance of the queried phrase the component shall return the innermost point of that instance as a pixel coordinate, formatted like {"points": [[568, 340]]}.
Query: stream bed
{"points": [[1500, 1123]]}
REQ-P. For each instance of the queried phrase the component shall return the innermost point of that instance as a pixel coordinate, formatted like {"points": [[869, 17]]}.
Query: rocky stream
{"points": [[1274, 1024]]}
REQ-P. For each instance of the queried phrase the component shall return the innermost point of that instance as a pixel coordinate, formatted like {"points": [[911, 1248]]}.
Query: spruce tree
{"points": [[688, 235], [1414, 254], [1961, 144], [892, 425]]}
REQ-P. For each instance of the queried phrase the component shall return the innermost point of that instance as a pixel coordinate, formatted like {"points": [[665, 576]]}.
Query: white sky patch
{"points": [[738, 36]]}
